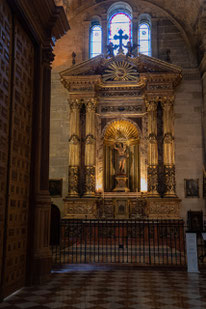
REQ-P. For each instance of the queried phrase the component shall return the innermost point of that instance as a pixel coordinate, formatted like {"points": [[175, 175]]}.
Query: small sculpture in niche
{"points": [[122, 156]]}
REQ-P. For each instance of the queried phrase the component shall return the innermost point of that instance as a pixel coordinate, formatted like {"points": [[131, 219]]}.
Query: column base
{"points": [[89, 194], [73, 195], [153, 194], [170, 194]]}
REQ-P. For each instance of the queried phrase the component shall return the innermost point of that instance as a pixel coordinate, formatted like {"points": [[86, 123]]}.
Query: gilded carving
{"points": [[152, 179], [123, 109], [91, 105], [90, 179], [90, 140], [138, 208], [73, 180], [152, 138], [167, 102], [168, 138], [170, 180], [150, 147], [75, 104], [74, 139], [151, 105], [120, 71], [164, 209]]}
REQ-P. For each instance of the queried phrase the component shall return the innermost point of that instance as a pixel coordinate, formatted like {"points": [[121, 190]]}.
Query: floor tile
{"points": [[107, 288]]}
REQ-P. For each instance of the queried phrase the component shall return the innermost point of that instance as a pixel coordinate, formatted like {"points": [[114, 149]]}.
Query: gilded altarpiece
{"points": [[121, 141]]}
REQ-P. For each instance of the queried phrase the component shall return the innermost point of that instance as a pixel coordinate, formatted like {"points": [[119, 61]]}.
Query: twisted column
{"points": [[90, 147], [152, 148], [168, 145], [74, 148]]}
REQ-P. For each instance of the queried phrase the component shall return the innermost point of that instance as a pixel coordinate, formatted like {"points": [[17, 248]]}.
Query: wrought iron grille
{"points": [[144, 242]]}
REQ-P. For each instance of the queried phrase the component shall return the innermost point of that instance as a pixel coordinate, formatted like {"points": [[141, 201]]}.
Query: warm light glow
{"points": [[143, 185], [121, 130], [99, 184]]}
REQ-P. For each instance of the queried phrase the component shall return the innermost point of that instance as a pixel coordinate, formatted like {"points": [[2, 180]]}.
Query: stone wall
{"points": [[59, 135], [188, 138]]}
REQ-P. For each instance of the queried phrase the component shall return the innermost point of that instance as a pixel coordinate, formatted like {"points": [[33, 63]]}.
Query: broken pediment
{"points": [[142, 64], [120, 72]]}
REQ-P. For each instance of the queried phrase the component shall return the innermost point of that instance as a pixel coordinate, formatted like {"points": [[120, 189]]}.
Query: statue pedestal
{"points": [[121, 183]]}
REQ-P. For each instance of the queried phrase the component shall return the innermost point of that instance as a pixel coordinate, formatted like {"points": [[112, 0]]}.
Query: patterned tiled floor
{"points": [[92, 287]]}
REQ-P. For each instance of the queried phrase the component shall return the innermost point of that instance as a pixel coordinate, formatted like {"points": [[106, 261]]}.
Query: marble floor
{"points": [[105, 287]]}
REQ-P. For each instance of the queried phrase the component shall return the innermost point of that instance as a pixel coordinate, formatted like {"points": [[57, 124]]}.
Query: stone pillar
{"points": [[135, 31], [168, 145], [39, 227], [152, 148], [74, 148], [104, 34], [90, 148]]}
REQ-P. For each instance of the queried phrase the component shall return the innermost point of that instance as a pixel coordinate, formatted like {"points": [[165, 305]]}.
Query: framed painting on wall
{"points": [[191, 188], [55, 187]]}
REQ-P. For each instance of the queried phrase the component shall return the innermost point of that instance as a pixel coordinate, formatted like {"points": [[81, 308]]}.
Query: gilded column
{"points": [[152, 148], [90, 147], [168, 145], [74, 148]]}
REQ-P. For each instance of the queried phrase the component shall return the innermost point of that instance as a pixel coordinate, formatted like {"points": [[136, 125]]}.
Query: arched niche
{"points": [[125, 132]]}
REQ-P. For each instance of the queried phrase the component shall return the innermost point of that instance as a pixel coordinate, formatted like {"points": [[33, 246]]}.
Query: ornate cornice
{"points": [[130, 76]]}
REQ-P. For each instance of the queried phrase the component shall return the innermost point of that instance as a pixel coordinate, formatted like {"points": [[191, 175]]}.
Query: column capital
{"points": [[152, 138], [75, 104], [74, 139], [168, 138], [91, 104], [167, 102], [151, 105]]}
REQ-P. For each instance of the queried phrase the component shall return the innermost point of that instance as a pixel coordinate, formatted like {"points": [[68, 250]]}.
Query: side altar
{"points": [[121, 160]]}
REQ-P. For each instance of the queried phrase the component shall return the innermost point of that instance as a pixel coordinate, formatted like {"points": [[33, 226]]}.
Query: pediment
{"points": [[137, 65]]}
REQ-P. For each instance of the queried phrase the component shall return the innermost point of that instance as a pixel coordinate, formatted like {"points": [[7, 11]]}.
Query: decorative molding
{"points": [[122, 109], [75, 104], [89, 180], [90, 140], [74, 139], [120, 71], [170, 181], [152, 179], [73, 181], [164, 208]]}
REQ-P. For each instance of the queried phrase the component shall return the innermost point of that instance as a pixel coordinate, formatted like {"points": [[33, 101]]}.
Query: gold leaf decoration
{"points": [[120, 71], [121, 131]]}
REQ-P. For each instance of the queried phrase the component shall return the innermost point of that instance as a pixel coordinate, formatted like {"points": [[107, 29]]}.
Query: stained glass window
{"points": [[117, 22], [145, 38], [95, 41]]}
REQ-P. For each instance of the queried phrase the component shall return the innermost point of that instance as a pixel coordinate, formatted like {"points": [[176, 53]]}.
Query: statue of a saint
{"points": [[122, 155]]}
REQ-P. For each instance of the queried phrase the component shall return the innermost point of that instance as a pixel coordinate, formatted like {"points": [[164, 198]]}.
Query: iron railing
{"points": [[141, 242]]}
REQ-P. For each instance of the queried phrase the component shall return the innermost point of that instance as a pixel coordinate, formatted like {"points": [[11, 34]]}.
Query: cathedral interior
{"points": [[102, 119]]}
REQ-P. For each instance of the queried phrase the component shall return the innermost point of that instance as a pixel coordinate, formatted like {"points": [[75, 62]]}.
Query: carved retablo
{"points": [[121, 165]]}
